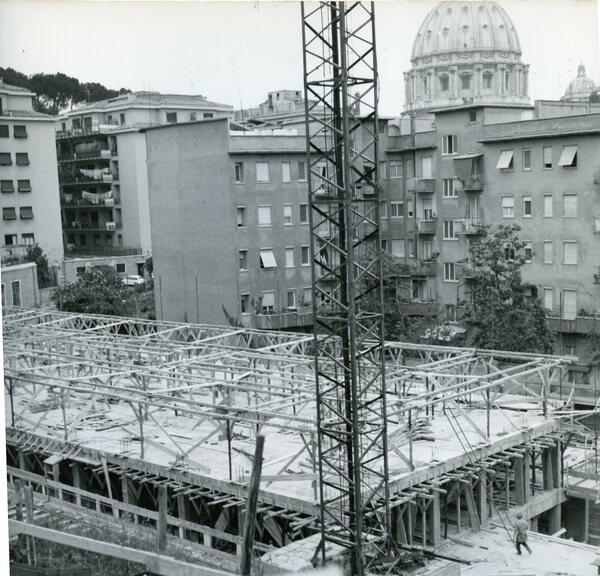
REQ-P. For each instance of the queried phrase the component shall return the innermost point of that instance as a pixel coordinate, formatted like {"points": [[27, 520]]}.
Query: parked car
{"points": [[133, 280]]}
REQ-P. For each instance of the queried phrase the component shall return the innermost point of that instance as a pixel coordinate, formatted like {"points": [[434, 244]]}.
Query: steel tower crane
{"points": [[341, 90]]}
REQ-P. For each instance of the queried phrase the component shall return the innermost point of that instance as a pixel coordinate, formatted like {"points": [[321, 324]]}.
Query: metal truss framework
{"points": [[340, 82], [67, 373]]}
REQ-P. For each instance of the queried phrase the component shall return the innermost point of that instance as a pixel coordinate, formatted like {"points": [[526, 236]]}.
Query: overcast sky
{"points": [[232, 51]]}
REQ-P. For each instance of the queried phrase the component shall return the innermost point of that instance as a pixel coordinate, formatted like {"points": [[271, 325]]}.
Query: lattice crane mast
{"points": [[341, 91]]}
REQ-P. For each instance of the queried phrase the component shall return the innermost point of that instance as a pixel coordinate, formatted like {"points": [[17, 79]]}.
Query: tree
{"points": [[36, 254], [98, 290], [499, 314]]}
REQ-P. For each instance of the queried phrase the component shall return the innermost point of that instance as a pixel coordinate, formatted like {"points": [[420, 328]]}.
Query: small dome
{"points": [[580, 88], [466, 25]]}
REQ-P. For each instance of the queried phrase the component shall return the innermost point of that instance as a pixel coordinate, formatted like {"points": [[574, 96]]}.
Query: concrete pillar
{"points": [[527, 475], [435, 521], [482, 499], [586, 520], [557, 464], [547, 471], [182, 513], [76, 481], [452, 82], [520, 487], [554, 519], [478, 80]]}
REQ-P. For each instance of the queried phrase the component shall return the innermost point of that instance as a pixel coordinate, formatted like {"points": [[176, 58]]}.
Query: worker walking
{"points": [[521, 528]]}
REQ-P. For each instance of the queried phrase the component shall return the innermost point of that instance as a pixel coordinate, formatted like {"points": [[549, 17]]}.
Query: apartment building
{"points": [[103, 175], [28, 193], [229, 221]]}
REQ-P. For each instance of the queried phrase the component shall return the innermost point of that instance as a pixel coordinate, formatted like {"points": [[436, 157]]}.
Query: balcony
{"points": [[425, 185], [92, 226], [474, 183], [72, 251], [427, 227], [578, 325], [282, 320], [473, 226], [424, 268], [69, 180], [13, 255], [83, 203], [419, 307]]}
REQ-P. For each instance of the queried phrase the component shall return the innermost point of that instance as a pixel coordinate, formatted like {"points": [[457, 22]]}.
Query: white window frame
{"points": [[306, 220], [571, 196], [449, 145], [263, 210], [547, 158], [450, 266], [305, 250], [245, 298], [383, 209], [307, 295], [450, 230], [548, 291], [398, 248], [548, 204], [269, 304], [568, 157], [410, 208], [396, 169], [293, 305], [449, 188], [288, 215], [394, 209], [301, 170], [526, 167], [289, 256], [570, 253], [239, 172], [262, 173], [426, 162], [267, 259], [383, 170], [506, 161], [564, 312], [242, 216], [548, 252], [12, 293], [528, 246], [508, 210], [243, 267], [286, 172], [527, 200]]}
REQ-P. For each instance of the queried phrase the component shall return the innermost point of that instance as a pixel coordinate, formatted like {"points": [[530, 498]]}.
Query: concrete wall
{"points": [[24, 278], [74, 265]]}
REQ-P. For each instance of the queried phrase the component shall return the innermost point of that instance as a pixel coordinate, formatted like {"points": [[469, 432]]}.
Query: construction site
{"points": [[198, 450]]}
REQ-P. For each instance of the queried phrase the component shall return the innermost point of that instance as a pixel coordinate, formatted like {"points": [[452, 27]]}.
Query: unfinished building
{"points": [[151, 425]]}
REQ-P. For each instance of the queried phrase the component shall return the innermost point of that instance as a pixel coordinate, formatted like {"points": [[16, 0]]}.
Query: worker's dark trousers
{"points": [[525, 545]]}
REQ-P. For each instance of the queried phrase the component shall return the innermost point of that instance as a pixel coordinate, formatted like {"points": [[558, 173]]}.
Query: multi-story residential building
{"points": [[28, 193], [230, 233], [103, 176]]}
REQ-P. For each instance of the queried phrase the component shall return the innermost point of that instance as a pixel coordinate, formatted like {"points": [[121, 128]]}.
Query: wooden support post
{"points": [[248, 536], [507, 485], [125, 492], [547, 470], [435, 518], [458, 505], [482, 498], [162, 518], [586, 520], [398, 511], [554, 516], [76, 482], [424, 521], [31, 555], [520, 488], [556, 453], [182, 513], [472, 509], [527, 475]]}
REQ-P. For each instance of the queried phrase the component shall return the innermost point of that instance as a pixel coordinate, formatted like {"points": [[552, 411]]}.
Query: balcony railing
{"points": [[474, 183], [82, 203], [427, 226], [419, 307], [13, 255], [578, 325], [75, 251], [425, 269], [279, 320], [100, 226], [425, 185], [473, 226], [68, 180]]}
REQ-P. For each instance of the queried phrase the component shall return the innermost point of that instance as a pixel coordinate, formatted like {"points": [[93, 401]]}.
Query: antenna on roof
{"points": [[237, 83]]}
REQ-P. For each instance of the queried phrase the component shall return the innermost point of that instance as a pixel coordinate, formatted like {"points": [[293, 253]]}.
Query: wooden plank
{"points": [[162, 518]]}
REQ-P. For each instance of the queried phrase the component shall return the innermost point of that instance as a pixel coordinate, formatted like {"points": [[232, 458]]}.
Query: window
{"points": [[22, 159], [303, 213], [397, 208], [245, 303], [83, 239], [6, 186], [302, 171], [410, 246], [414, 289], [4, 131], [568, 158], [444, 83], [307, 295], [526, 159], [81, 269], [398, 248], [76, 123], [547, 206], [487, 80], [26, 212], [448, 145], [239, 172], [262, 171], [383, 209], [286, 172], [569, 304], [171, 117], [207, 115], [569, 205], [569, 350], [472, 116], [384, 245], [465, 81], [426, 167], [97, 241], [241, 216], [267, 259], [448, 187], [109, 240], [20, 131], [506, 80], [547, 252], [526, 206], [425, 84], [5, 159], [193, 116], [305, 255], [508, 207], [24, 186], [9, 214], [548, 298], [449, 272], [120, 268], [570, 253], [396, 169], [10, 239], [410, 208], [264, 215], [287, 214], [547, 157], [528, 250], [383, 170], [15, 286], [505, 162], [427, 249], [291, 299], [243, 259], [450, 230], [122, 118], [267, 301], [289, 257]]}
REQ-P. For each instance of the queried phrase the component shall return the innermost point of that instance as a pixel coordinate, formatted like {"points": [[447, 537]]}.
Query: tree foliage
{"points": [[98, 290], [55, 92], [500, 315], [36, 254]]}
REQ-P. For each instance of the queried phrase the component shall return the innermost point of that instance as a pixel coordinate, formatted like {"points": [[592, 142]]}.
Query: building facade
{"points": [[103, 174]]}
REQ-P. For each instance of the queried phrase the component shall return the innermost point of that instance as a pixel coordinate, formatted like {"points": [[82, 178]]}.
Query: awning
{"points": [[468, 156], [505, 160], [267, 259], [568, 156]]}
